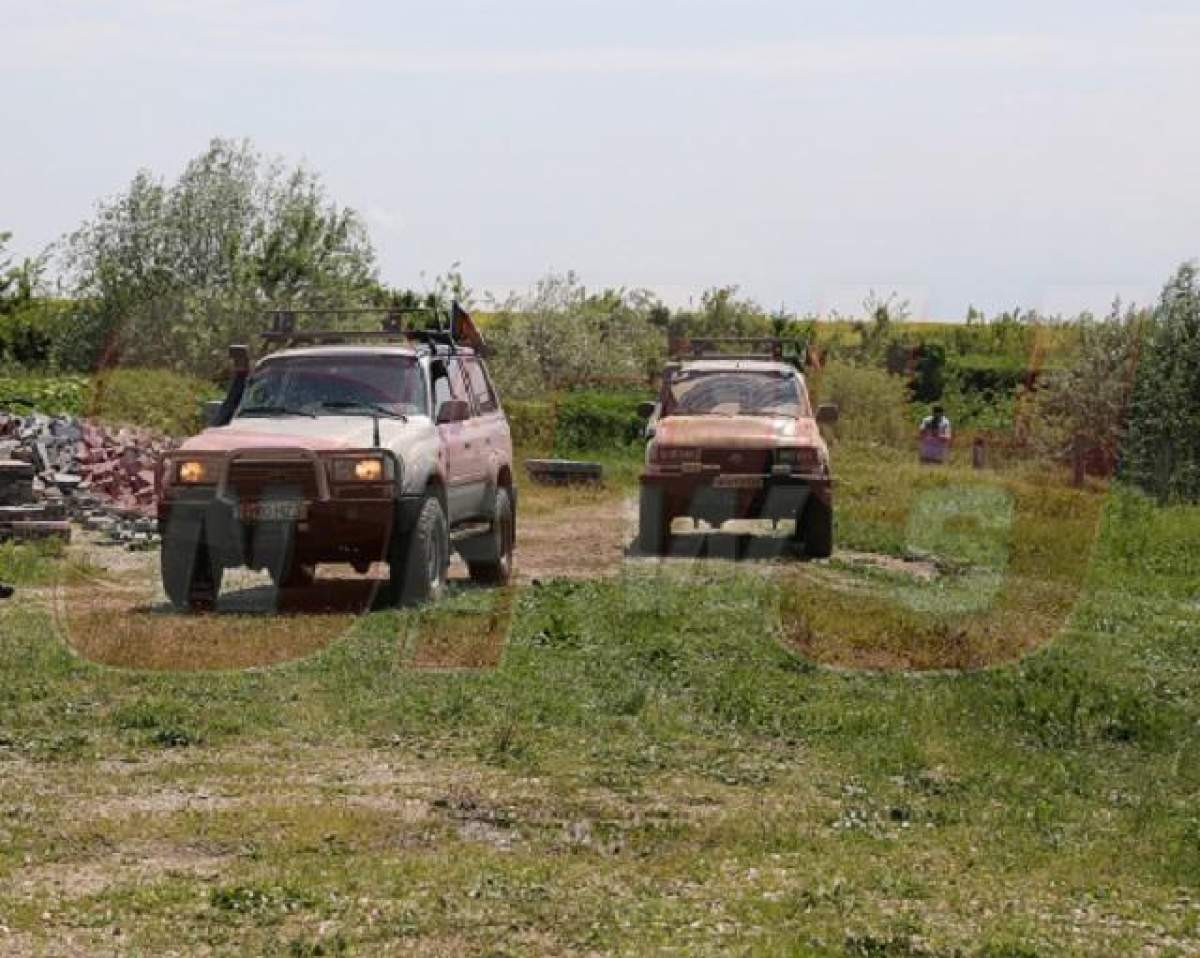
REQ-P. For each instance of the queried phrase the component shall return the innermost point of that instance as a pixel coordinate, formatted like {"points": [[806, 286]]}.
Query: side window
{"points": [[481, 386], [458, 381], [448, 383]]}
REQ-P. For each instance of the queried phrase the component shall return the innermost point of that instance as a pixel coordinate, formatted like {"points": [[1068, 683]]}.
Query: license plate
{"points": [[268, 511], [737, 482]]}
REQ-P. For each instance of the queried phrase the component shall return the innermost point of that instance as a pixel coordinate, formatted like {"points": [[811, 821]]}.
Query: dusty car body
{"points": [[735, 437], [343, 452]]}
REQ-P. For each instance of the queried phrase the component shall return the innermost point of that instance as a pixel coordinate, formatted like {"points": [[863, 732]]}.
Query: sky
{"points": [[1043, 155]]}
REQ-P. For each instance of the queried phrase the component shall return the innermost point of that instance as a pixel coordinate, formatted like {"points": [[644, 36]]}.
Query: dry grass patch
{"points": [[999, 565]]}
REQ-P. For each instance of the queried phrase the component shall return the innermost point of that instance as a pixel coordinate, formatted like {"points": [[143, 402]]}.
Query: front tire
{"points": [[490, 557], [814, 526], [654, 522], [190, 577], [419, 561]]}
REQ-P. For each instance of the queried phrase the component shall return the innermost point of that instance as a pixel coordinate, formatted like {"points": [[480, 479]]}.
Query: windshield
{"points": [[737, 394], [336, 385]]}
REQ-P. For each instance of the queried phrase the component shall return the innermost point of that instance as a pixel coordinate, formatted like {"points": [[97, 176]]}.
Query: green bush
{"points": [[968, 410], [25, 338], [55, 333], [57, 395], [872, 403], [991, 376], [531, 422], [152, 398], [591, 419]]}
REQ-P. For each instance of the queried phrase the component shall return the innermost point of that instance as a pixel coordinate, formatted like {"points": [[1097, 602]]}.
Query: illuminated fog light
{"points": [[193, 471], [368, 470], [347, 469]]}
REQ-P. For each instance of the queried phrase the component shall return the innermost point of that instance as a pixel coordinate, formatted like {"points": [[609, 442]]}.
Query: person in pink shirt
{"points": [[934, 439]]}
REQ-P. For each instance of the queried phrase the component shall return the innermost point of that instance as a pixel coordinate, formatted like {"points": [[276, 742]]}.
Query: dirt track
{"points": [[116, 613], [574, 542]]}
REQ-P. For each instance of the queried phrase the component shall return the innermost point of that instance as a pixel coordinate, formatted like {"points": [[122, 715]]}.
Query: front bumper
{"points": [[353, 531], [304, 517], [720, 497]]}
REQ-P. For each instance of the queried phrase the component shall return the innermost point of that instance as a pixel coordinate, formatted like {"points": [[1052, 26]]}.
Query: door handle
{"points": [[466, 445]]}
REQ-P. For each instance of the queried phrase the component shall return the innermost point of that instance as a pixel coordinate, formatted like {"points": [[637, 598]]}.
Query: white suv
{"points": [[348, 448]]}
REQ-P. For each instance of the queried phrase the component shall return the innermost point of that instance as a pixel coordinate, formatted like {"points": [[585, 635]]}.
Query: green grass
{"points": [[649, 770], [151, 398], [1010, 548], [156, 399], [32, 563]]}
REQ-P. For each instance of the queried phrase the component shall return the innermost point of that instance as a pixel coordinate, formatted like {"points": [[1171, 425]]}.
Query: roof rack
{"points": [[709, 347], [283, 329]]}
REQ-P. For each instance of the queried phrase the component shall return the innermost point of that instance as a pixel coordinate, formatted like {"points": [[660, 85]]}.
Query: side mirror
{"points": [[646, 409], [211, 412], [453, 410], [827, 414]]}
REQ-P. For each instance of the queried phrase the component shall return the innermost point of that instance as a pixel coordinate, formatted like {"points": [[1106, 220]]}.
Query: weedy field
{"points": [[973, 732]]}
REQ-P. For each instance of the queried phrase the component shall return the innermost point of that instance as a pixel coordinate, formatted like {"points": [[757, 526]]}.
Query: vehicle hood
{"points": [[737, 432], [325, 433]]}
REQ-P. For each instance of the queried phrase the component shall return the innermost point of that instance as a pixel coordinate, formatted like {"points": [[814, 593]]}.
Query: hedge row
{"points": [[579, 421], [988, 375]]}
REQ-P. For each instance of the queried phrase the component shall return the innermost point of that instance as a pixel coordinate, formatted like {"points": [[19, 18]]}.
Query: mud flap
{"points": [[272, 545], [189, 575]]}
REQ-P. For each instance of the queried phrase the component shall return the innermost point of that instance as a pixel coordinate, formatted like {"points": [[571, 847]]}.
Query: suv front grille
{"points": [[284, 479], [747, 461]]}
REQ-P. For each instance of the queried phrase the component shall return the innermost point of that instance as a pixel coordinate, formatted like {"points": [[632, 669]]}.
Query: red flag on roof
{"points": [[464, 331]]}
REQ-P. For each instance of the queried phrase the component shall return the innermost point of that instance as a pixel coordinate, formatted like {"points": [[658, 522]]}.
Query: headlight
{"points": [[368, 470], [798, 457], [669, 454], [357, 470], [195, 472]]}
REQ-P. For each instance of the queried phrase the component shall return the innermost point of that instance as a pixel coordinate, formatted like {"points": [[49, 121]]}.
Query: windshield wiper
{"points": [[373, 407], [269, 410]]}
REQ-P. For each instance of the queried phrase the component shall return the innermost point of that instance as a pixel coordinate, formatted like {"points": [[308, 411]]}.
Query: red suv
{"points": [[734, 436]]}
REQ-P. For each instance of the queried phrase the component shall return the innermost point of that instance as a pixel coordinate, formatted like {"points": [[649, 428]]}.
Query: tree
{"points": [[876, 332], [170, 274], [18, 284], [6, 278], [29, 325], [1162, 453], [560, 336], [1082, 410], [929, 373], [721, 313]]}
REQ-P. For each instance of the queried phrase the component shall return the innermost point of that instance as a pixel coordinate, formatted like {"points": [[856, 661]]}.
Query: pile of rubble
{"points": [[57, 468]]}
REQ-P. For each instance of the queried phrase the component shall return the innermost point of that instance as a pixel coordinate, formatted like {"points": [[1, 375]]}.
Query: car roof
{"points": [[330, 351], [737, 366]]}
